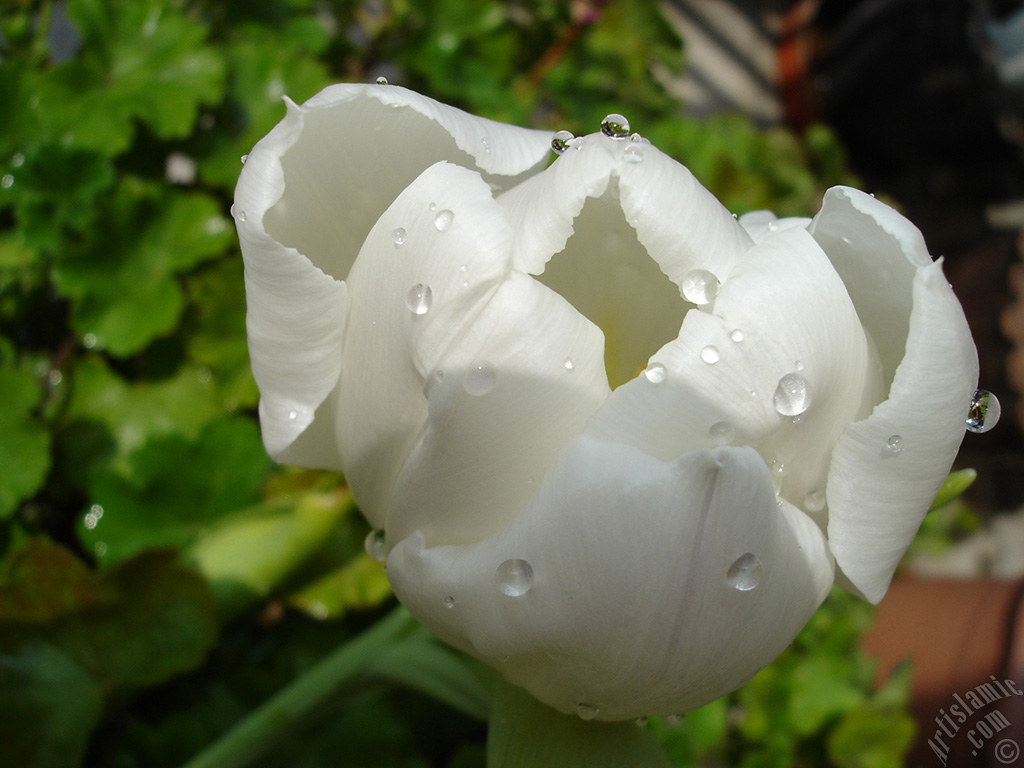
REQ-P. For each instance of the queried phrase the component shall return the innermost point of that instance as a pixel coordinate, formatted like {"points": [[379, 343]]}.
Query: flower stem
{"points": [[267, 725]]}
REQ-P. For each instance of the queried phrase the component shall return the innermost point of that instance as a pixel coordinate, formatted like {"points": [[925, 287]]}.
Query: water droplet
{"points": [[615, 126], [448, 601], [984, 412], [486, 144], [570, 364], [382, 81], [721, 432], [777, 471], [90, 521], [293, 415], [846, 240], [419, 298], [815, 501], [464, 268], [89, 340], [577, 143], [798, 365], [636, 138], [655, 373], [244, 158], [736, 335], [560, 141], [241, 216], [792, 395], [586, 711], [96, 510], [443, 220], [433, 206], [17, 159], [700, 287], [632, 154], [745, 573], [773, 226], [374, 545], [894, 445], [479, 379], [641, 722], [7, 181], [710, 354], [398, 236], [515, 577]]}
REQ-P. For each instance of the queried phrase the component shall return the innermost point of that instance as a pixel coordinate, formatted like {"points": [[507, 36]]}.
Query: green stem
{"points": [[296, 703]]}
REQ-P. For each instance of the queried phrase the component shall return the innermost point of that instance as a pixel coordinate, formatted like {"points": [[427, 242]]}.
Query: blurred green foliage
{"points": [[160, 579]]}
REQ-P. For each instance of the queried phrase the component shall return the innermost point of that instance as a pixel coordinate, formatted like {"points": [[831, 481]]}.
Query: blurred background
{"points": [[160, 578]]}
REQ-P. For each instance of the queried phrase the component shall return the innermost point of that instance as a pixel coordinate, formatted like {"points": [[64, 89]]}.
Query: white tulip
{"points": [[459, 329]]}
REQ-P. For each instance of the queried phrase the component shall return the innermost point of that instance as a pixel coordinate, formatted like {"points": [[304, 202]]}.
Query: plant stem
{"points": [[267, 725]]}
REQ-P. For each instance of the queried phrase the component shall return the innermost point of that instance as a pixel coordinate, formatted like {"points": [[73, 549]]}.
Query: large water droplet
{"points": [[560, 141], [419, 299], [745, 573], [374, 545], [515, 577], [655, 373], [615, 126], [479, 379], [894, 445], [814, 501], [700, 287], [792, 395], [443, 220], [586, 711], [382, 81], [398, 236], [721, 432], [984, 412], [710, 354]]}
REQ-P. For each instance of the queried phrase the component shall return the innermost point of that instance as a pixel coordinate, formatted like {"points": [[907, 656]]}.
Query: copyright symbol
{"points": [[1007, 751]]}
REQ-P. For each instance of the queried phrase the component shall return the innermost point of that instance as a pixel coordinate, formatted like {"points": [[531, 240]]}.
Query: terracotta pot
{"points": [[966, 642]]}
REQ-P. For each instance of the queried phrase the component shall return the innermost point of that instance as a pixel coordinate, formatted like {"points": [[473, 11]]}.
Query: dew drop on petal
{"points": [[443, 220], [745, 573], [586, 711], [448, 601], [615, 126], [479, 379], [699, 287], [984, 412], [655, 373], [894, 445], [515, 577], [398, 236], [792, 395], [570, 364], [382, 81], [736, 335], [721, 432], [710, 354], [814, 501], [419, 299], [244, 158], [632, 154], [773, 226], [241, 215], [560, 141], [374, 545], [293, 415]]}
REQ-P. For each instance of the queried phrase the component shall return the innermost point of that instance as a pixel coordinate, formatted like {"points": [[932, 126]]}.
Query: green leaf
{"points": [[872, 738], [124, 283], [823, 688], [527, 734], [248, 555], [25, 443], [48, 707], [171, 488], [359, 584], [133, 625]]}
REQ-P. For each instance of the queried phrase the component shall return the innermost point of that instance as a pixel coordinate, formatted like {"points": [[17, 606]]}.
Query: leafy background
{"points": [[160, 577]]}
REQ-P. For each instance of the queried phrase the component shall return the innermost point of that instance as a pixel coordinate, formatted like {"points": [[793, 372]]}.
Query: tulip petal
{"points": [[654, 587], [308, 195], [761, 224], [411, 294], [717, 381], [878, 497], [518, 382]]}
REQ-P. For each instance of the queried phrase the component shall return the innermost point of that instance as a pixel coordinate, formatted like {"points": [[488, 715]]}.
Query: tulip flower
{"points": [[619, 443]]}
